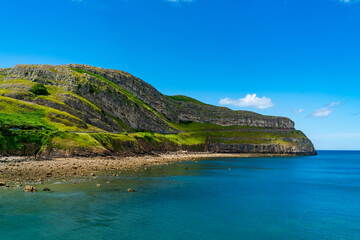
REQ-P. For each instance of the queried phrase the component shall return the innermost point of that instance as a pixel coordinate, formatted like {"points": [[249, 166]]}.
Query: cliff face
{"points": [[89, 99], [302, 147]]}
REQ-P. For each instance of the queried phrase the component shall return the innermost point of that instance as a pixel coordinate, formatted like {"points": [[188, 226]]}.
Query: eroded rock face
{"points": [[262, 148], [178, 111], [111, 101], [115, 101]]}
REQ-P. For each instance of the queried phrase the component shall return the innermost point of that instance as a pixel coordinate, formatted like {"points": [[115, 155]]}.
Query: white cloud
{"points": [[179, 3], [323, 112], [251, 100], [349, 1], [299, 111], [333, 104]]}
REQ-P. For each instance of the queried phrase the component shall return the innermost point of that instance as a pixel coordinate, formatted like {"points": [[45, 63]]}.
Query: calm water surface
{"points": [[315, 197]]}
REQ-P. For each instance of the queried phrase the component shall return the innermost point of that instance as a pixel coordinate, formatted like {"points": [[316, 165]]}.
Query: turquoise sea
{"points": [[313, 197]]}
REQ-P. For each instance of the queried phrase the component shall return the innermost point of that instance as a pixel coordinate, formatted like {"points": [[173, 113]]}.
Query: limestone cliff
{"points": [[86, 100]]}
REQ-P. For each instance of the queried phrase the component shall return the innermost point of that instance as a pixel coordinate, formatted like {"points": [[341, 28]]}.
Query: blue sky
{"points": [[300, 57]]}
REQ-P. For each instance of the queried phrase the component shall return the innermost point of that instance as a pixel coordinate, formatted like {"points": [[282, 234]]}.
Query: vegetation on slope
{"points": [[25, 120], [23, 115], [131, 97], [23, 142], [186, 99], [70, 141], [38, 115], [39, 89]]}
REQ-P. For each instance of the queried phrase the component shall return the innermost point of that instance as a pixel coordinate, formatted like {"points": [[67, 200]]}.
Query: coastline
{"points": [[20, 170]]}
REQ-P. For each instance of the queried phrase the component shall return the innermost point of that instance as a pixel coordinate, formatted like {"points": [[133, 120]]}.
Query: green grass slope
{"points": [[92, 111]]}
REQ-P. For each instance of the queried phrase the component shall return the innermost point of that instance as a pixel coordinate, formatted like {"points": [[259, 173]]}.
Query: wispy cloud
{"points": [[323, 112], [298, 111], [349, 1], [333, 104], [251, 100], [326, 111], [179, 3]]}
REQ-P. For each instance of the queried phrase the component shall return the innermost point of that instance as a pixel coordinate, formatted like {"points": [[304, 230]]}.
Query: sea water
{"points": [[312, 197]]}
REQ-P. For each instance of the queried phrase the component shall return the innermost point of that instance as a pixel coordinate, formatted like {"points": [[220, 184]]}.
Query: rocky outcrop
{"points": [[98, 99], [263, 148], [134, 113], [178, 111], [30, 189]]}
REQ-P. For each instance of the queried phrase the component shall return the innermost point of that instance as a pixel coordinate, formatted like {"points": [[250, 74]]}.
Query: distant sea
{"points": [[312, 197]]}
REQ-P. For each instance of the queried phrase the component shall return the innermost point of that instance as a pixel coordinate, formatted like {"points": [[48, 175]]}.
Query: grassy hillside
{"points": [[83, 110]]}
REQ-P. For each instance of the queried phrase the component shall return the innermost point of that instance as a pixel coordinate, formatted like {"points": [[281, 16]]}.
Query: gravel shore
{"points": [[17, 170]]}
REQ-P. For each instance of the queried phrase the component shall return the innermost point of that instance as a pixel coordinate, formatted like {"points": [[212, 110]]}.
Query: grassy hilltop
{"points": [[82, 110]]}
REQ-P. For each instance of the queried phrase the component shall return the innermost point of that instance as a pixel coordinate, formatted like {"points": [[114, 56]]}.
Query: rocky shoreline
{"points": [[15, 171]]}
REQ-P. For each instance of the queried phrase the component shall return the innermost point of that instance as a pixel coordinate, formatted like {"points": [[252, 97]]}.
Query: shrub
{"points": [[39, 89], [93, 89]]}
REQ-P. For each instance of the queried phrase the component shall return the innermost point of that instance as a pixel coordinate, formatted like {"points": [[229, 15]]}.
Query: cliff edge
{"points": [[85, 110]]}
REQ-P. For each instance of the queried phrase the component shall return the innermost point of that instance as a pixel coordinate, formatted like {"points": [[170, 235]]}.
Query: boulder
{"points": [[30, 189]]}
